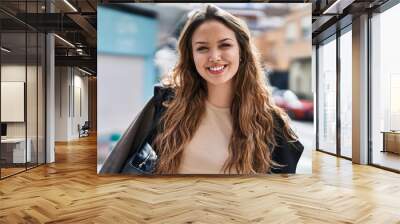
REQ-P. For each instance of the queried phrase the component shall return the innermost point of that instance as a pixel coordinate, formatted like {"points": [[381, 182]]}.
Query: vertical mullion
{"points": [[26, 85], [46, 4], [37, 89], [317, 95], [369, 95], [338, 97]]}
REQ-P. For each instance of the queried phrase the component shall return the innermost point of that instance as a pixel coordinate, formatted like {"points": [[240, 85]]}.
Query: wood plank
{"points": [[70, 191]]}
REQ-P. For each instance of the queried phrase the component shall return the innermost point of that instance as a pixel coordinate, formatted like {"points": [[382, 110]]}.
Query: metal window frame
{"points": [[44, 75], [387, 5], [381, 9], [334, 37]]}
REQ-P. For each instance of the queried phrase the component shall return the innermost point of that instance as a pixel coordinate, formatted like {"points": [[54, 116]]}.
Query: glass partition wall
{"points": [[334, 92], [385, 90], [22, 88], [13, 88], [346, 92], [327, 96]]}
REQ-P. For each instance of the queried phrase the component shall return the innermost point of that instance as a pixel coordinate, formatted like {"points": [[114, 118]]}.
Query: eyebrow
{"points": [[202, 42]]}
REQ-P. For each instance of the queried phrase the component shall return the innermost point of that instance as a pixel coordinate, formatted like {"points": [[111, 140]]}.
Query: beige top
{"points": [[207, 151]]}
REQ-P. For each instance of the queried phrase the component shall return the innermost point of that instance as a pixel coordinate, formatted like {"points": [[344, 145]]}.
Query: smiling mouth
{"points": [[216, 69]]}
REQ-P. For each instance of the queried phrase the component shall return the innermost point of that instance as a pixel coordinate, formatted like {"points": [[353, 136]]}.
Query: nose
{"points": [[215, 55]]}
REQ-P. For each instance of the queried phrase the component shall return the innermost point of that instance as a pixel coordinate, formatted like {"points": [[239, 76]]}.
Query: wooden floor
{"points": [[388, 159], [10, 171], [69, 191]]}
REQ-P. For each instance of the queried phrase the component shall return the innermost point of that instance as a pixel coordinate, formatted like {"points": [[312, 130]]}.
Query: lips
{"points": [[216, 69]]}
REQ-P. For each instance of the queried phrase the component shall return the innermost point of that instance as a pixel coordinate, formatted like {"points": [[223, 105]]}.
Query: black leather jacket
{"points": [[134, 155]]}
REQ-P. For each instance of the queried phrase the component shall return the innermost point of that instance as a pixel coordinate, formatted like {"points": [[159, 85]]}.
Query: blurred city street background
{"points": [[137, 47]]}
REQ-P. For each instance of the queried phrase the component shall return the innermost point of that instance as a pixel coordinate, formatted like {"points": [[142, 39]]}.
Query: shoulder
{"points": [[287, 152], [163, 93]]}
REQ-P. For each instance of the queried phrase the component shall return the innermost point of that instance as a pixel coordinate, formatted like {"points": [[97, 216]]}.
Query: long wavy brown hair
{"points": [[254, 115]]}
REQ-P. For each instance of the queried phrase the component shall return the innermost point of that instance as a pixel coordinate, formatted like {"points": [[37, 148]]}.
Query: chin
{"points": [[221, 81]]}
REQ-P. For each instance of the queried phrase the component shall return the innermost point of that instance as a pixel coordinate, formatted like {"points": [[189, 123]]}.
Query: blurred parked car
{"points": [[296, 109]]}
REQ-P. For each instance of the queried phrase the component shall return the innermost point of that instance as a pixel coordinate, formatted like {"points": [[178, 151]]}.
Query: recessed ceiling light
{"points": [[64, 40], [337, 7], [84, 71], [70, 5], [5, 49]]}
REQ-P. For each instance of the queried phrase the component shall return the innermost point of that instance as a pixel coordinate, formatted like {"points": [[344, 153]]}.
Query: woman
{"points": [[215, 115]]}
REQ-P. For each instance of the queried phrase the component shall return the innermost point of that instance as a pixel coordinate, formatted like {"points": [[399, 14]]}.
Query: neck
{"points": [[220, 95]]}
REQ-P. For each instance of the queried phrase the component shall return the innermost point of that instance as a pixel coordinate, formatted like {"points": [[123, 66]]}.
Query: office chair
{"points": [[84, 130]]}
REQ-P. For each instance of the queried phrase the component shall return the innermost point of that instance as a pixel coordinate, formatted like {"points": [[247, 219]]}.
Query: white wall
{"points": [[33, 126], [17, 73], [79, 117], [61, 103], [67, 115]]}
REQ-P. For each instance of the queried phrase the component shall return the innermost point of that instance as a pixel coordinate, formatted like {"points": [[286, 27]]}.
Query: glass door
{"points": [[14, 153], [346, 93], [326, 108], [385, 89]]}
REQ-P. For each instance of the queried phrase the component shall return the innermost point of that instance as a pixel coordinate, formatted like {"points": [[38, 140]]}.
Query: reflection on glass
{"points": [[346, 94], [385, 89], [22, 91], [14, 150], [327, 97]]}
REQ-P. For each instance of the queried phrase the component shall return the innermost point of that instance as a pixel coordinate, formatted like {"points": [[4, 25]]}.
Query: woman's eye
{"points": [[201, 48], [225, 45]]}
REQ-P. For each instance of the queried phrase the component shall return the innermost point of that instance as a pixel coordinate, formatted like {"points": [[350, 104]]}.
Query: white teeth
{"points": [[216, 68]]}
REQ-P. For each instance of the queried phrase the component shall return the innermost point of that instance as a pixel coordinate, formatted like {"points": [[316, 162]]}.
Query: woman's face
{"points": [[215, 52]]}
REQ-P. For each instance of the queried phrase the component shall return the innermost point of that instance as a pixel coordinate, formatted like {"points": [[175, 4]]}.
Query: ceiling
{"points": [[330, 15], [76, 22], [72, 20]]}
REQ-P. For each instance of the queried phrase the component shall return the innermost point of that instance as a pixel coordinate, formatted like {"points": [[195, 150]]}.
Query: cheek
{"points": [[234, 57], [199, 61], [233, 54]]}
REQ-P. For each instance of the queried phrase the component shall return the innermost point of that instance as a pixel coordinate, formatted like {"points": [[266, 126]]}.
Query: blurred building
{"points": [[286, 51]]}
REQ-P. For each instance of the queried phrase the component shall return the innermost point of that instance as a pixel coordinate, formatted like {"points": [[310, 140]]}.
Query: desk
{"points": [[391, 141], [15, 148]]}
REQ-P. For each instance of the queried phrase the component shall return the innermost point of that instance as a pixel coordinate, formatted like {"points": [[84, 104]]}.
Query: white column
{"points": [[50, 92], [360, 90], [50, 99]]}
